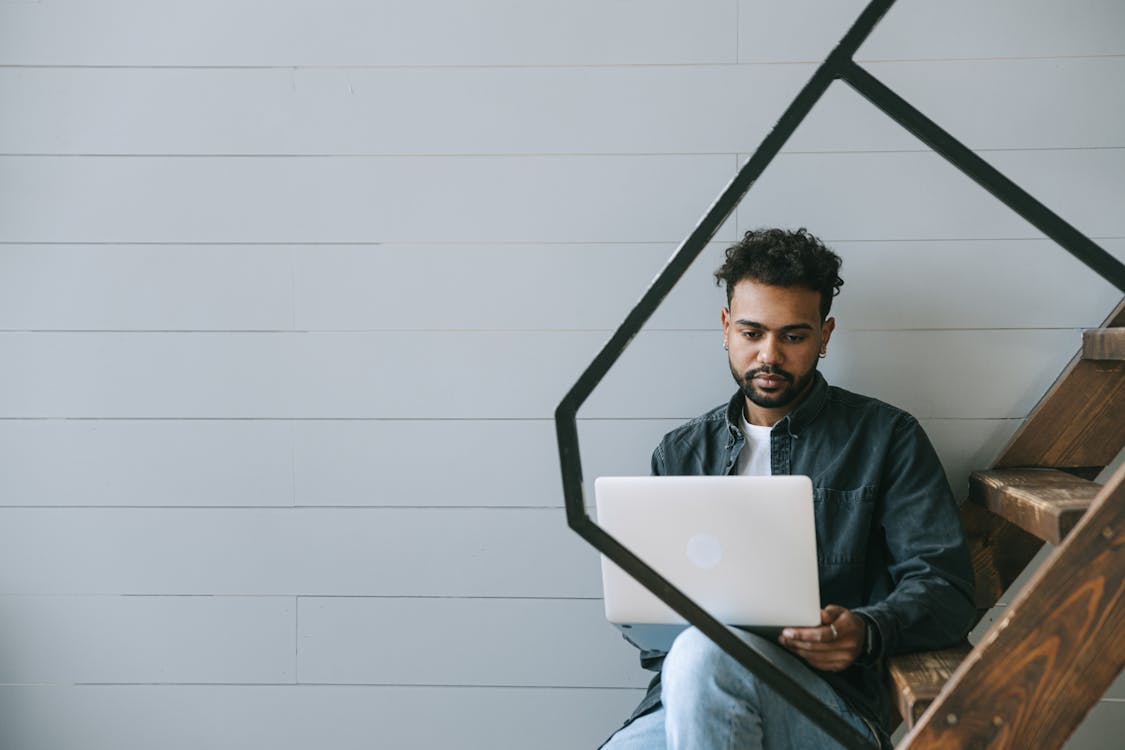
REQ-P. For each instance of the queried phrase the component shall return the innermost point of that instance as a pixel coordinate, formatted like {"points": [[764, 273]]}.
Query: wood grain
{"points": [[1000, 551], [1062, 643], [1071, 427], [916, 679], [1104, 343], [1045, 502], [1080, 421]]}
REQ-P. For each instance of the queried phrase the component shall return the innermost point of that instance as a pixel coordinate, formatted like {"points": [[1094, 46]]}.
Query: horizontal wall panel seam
{"points": [[505, 243], [809, 63], [313, 596], [470, 331], [541, 420], [311, 685], [287, 686], [528, 155], [505, 155]]}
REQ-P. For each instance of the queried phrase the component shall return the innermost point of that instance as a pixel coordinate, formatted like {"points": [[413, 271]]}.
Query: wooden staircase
{"points": [[1042, 666]]}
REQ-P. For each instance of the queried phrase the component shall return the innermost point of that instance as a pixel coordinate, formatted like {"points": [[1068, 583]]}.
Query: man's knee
{"points": [[694, 653], [694, 657], [703, 687]]}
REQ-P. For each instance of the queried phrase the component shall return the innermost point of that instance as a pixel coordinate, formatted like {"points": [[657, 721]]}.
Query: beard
{"points": [[793, 389]]}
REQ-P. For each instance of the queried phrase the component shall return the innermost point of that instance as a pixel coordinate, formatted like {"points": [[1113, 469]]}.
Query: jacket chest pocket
{"points": [[843, 532], [843, 523]]}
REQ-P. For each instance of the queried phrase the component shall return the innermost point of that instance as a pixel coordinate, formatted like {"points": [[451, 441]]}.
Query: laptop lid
{"points": [[744, 548]]}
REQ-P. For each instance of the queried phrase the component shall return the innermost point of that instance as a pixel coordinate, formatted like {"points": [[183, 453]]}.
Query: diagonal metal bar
{"points": [[566, 413], [839, 64], [985, 175]]}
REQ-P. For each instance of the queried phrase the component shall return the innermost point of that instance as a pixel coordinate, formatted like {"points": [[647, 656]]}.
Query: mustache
{"points": [[777, 372]]}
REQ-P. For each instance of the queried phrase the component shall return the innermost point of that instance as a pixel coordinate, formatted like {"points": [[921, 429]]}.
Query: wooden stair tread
{"points": [[916, 679], [1104, 344], [1044, 502]]}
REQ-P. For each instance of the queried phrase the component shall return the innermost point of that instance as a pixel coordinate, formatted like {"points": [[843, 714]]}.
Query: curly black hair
{"points": [[782, 257]]}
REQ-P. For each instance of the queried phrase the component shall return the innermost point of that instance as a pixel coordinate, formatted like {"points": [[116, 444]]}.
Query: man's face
{"points": [[774, 336]]}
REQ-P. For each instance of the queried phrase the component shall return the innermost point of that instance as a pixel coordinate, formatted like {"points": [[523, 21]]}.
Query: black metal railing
{"points": [[838, 65]]}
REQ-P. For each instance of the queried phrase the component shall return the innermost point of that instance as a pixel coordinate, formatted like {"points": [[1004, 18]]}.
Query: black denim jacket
{"points": [[890, 545]]}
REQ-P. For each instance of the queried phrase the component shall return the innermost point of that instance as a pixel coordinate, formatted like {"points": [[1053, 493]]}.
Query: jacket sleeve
{"points": [[658, 460], [932, 602]]}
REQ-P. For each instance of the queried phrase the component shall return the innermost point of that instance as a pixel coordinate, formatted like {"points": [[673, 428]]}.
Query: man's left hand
{"points": [[832, 646]]}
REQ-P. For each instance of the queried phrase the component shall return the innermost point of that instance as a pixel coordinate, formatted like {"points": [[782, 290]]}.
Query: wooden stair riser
{"points": [[917, 679], [1000, 551], [1080, 422]]}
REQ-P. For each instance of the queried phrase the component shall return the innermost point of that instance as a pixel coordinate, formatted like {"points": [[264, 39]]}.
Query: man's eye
{"points": [[752, 334], [794, 339]]}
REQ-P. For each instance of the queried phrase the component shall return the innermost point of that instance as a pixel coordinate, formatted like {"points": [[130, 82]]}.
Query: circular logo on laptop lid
{"points": [[704, 551]]}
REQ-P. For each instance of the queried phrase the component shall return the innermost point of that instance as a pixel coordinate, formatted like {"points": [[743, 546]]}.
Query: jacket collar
{"points": [[796, 420]]}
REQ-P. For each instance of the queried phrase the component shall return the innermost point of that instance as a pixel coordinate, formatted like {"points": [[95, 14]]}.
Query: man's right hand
{"points": [[834, 645]]}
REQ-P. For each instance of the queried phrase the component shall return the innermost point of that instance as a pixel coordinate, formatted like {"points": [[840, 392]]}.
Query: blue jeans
{"points": [[710, 702]]}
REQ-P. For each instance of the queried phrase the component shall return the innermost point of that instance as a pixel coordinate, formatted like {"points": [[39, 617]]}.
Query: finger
{"points": [[824, 662], [842, 642], [822, 634], [842, 647], [832, 612], [824, 657]]}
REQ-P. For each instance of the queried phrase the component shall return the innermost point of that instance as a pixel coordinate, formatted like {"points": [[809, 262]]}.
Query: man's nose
{"points": [[769, 352]]}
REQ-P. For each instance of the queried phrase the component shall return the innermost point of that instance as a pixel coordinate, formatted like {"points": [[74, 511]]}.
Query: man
{"points": [[895, 574]]}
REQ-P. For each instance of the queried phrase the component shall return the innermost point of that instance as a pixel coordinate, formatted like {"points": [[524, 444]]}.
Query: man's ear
{"points": [[826, 332], [725, 317]]}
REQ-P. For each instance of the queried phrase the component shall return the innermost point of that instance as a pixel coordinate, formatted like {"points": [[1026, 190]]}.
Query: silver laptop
{"points": [[743, 548]]}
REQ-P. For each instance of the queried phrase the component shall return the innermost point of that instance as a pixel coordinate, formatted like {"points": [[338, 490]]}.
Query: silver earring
{"points": [[822, 355], [725, 347]]}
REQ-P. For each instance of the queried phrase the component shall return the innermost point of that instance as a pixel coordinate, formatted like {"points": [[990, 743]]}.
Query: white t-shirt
{"points": [[754, 460]]}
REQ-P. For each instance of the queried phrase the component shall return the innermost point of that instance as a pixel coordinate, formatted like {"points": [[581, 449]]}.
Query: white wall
{"points": [[289, 290]]}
